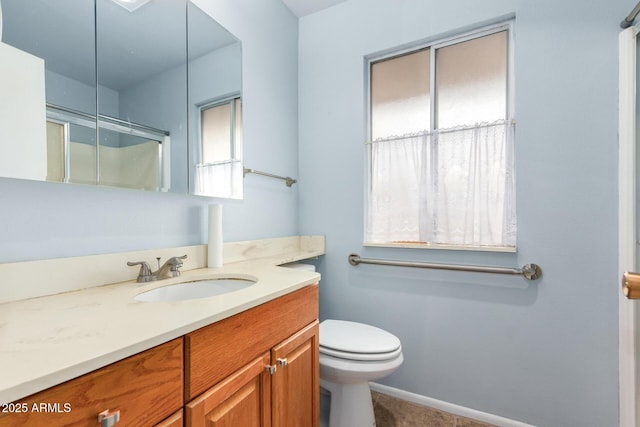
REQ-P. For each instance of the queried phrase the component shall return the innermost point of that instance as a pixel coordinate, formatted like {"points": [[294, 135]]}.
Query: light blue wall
{"points": [[544, 352], [44, 220]]}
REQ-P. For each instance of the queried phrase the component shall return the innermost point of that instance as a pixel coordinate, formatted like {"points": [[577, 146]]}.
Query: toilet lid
{"points": [[360, 357], [351, 337]]}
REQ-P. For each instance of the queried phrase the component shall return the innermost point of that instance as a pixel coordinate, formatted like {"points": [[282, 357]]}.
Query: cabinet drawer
{"points": [[215, 351], [146, 388]]}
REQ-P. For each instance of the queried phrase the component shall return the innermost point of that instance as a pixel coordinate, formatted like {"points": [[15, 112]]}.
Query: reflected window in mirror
{"points": [[215, 112], [221, 131], [219, 172]]}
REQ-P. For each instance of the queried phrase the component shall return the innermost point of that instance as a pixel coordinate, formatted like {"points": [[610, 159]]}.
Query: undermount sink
{"points": [[195, 289]]}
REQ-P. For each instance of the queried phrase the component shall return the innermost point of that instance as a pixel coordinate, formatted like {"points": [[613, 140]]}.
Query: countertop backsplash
{"points": [[32, 279]]}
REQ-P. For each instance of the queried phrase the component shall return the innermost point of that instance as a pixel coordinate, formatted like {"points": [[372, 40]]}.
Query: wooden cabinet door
{"points": [[175, 420], [295, 385], [217, 351], [242, 399]]}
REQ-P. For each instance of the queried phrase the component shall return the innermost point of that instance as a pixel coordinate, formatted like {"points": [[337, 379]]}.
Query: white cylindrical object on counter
{"points": [[214, 255]]}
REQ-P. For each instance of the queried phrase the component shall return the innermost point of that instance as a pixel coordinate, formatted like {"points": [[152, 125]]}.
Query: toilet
{"points": [[351, 355]]}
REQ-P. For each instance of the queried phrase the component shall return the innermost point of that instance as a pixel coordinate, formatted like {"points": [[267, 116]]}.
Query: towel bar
{"points": [[287, 179], [529, 271]]}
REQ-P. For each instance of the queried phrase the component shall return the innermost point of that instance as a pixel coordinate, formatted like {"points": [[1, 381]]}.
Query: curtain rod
{"points": [[628, 21]]}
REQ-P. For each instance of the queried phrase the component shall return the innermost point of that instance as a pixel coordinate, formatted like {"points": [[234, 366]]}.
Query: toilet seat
{"points": [[364, 357], [357, 341], [351, 355]]}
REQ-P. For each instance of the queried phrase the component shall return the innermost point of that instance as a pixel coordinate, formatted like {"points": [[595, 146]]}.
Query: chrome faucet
{"points": [[169, 269]]}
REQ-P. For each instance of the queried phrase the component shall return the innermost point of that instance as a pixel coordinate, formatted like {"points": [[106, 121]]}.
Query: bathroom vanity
{"points": [[248, 357], [265, 358]]}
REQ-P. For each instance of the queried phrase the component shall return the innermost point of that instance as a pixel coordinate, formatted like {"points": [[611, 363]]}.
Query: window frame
{"points": [[433, 45], [227, 100]]}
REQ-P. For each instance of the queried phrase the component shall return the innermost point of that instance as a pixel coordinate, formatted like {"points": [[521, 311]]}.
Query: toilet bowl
{"points": [[351, 355]]}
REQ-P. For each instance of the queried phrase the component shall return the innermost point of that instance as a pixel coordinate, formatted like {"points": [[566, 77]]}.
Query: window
{"points": [[219, 171], [221, 131], [441, 150]]}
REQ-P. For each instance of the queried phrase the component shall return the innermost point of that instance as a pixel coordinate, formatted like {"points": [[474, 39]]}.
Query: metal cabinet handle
{"points": [[282, 362], [271, 369], [108, 419]]}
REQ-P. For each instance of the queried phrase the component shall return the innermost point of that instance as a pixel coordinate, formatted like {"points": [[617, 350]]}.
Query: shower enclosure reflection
{"points": [[129, 156]]}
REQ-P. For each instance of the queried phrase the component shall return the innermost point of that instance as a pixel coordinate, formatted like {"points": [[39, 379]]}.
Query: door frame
{"points": [[627, 233]]}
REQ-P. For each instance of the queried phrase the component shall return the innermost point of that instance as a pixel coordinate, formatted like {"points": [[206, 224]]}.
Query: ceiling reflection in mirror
{"points": [[100, 94]]}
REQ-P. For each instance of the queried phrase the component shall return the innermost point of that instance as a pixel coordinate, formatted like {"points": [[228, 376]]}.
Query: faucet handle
{"points": [[145, 274], [176, 262], [176, 259], [170, 268]]}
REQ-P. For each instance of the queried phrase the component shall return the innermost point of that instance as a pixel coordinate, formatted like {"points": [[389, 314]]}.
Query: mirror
{"points": [[50, 58], [215, 107], [142, 93], [98, 94]]}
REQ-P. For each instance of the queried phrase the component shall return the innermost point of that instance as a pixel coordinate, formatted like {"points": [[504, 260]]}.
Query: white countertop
{"points": [[48, 340]]}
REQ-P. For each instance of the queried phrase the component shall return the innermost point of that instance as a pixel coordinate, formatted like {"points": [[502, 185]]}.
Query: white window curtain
{"points": [[450, 187], [222, 179]]}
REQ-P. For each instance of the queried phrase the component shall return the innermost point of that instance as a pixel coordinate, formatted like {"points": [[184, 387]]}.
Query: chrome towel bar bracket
{"points": [[529, 271]]}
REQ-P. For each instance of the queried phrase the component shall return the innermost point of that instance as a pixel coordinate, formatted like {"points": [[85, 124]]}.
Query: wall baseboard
{"points": [[448, 407]]}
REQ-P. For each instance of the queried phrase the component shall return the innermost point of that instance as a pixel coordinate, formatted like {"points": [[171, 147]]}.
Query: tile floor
{"points": [[393, 412]]}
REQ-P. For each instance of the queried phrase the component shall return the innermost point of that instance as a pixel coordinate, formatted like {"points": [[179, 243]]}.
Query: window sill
{"points": [[419, 245]]}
